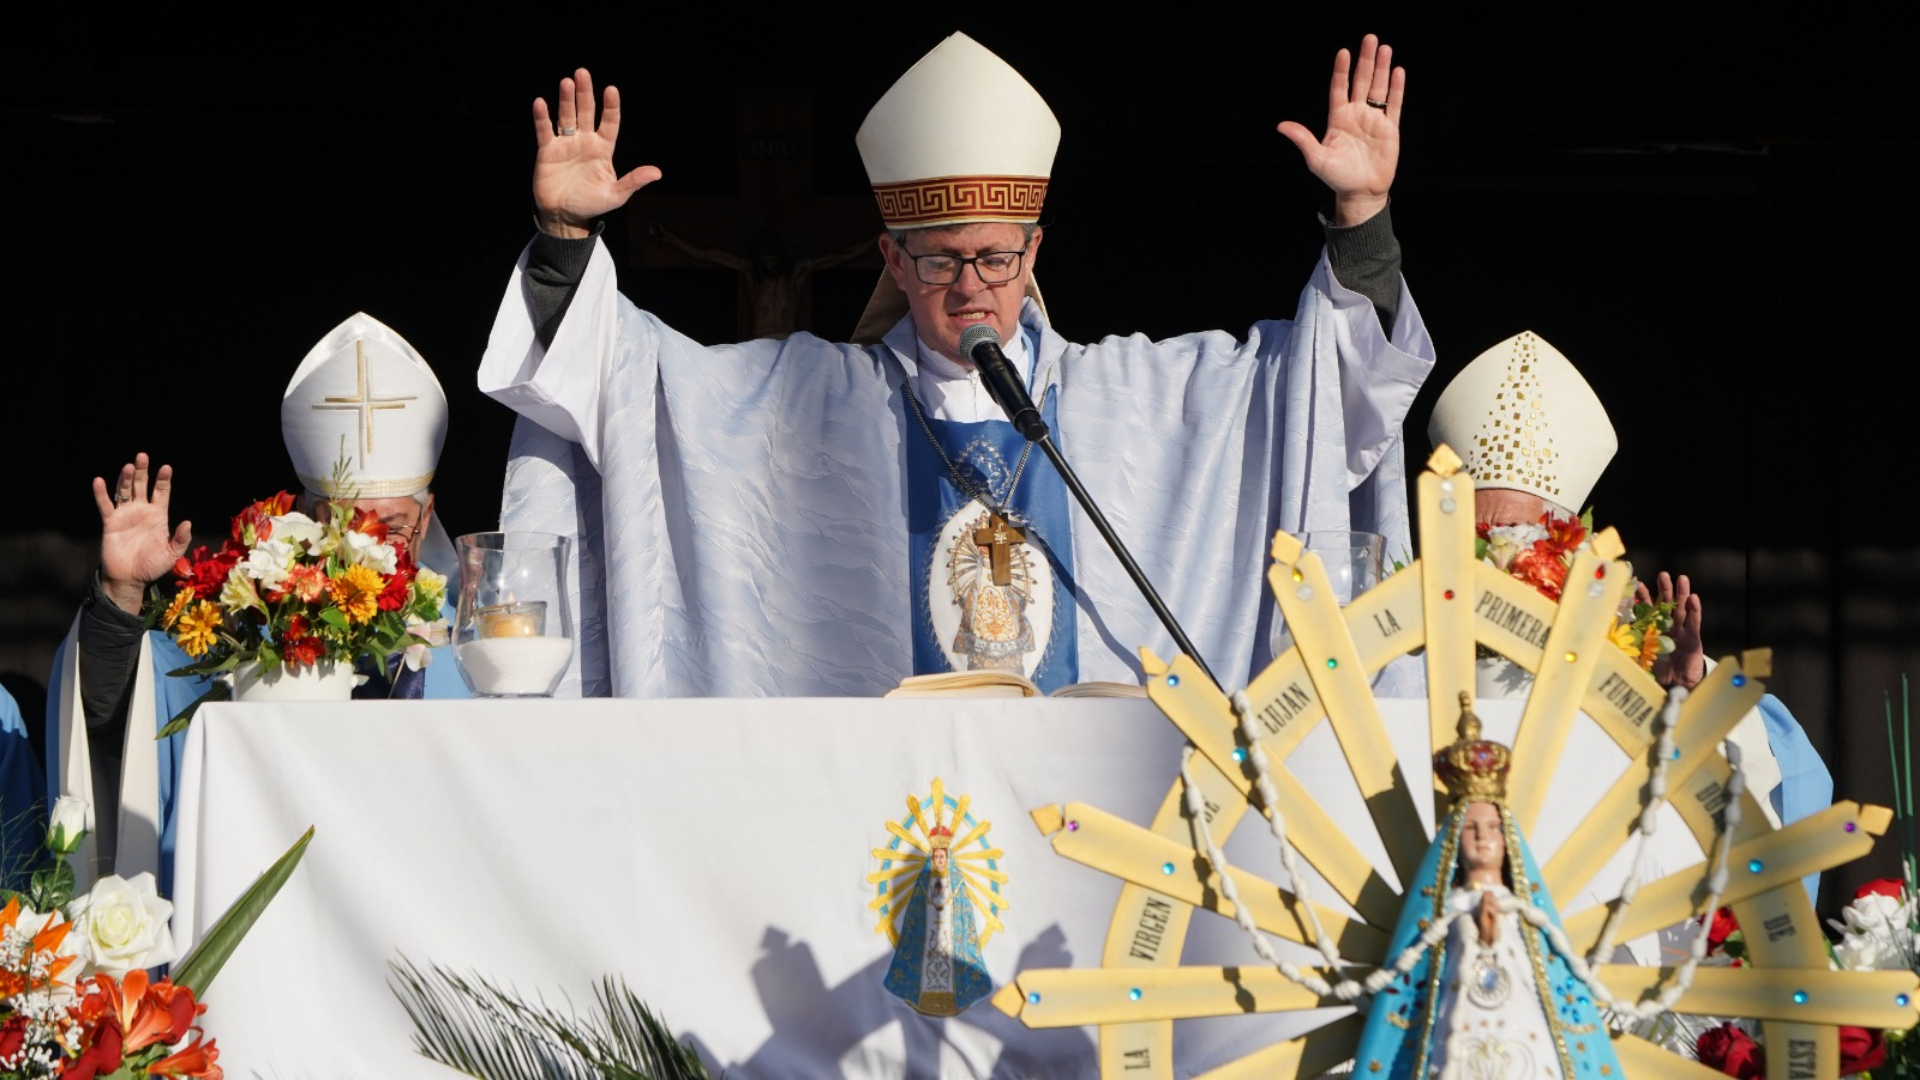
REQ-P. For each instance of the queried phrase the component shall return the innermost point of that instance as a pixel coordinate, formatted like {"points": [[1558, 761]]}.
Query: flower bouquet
{"points": [[1540, 556], [287, 590], [76, 997]]}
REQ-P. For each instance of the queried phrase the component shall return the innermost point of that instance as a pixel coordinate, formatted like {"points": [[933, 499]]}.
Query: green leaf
{"points": [[334, 617], [219, 691], [196, 972], [210, 666]]}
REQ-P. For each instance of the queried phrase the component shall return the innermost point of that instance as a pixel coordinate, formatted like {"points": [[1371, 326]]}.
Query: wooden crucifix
{"points": [[775, 233], [998, 538]]}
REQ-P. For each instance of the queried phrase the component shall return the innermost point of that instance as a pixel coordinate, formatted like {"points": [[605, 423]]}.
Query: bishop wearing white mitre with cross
{"points": [[361, 396], [799, 517]]}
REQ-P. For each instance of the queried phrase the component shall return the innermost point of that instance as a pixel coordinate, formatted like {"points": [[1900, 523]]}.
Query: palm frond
{"points": [[484, 1030]]}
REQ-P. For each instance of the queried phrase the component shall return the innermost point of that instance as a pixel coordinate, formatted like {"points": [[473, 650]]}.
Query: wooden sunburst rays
{"points": [[1444, 605]]}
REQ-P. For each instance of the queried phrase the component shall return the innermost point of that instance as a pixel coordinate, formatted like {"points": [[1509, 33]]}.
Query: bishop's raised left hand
{"points": [[1361, 148]]}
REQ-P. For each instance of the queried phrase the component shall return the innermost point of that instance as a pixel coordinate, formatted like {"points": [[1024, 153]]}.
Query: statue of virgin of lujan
{"points": [[1491, 1000]]}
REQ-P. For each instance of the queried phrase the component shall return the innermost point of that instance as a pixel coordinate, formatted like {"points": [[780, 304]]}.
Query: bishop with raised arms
{"points": [[799, 517]]}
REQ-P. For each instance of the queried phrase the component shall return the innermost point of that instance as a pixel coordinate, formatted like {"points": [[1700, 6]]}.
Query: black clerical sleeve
{"points": [[1366, 259], [109, 644], [554, 269]]}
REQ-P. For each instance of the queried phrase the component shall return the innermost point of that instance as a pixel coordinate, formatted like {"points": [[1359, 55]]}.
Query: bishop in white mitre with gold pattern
{"points": [[801, 517]]}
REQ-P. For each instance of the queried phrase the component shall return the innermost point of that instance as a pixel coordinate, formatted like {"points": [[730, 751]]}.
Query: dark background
{"points": [[1707, 217]]}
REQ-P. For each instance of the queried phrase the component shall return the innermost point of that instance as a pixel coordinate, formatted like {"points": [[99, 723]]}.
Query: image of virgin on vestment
{"points": [[905, 974]]}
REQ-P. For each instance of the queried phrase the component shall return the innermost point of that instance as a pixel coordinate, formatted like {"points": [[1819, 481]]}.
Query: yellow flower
{"points": [[356, 592], [1623, 637], [197, 626], [180, 601]]}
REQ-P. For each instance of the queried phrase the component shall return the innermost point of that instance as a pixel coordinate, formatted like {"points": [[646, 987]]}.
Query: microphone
{"points": [[981, 344]]}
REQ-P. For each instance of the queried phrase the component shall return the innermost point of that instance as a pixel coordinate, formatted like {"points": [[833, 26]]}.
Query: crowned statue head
{"points": [[939, 844], [959, 152], [1474, 772], [1534, 436]]}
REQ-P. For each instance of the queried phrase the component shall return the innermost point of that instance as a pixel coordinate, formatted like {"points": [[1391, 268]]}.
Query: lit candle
{"points": [[512, 620]]}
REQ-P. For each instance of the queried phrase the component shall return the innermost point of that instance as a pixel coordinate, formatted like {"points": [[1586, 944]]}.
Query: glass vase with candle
{"points": [[512, 630]]}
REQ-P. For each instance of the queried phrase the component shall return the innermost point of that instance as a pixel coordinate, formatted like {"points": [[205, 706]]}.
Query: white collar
{"points": [[939, 367]]}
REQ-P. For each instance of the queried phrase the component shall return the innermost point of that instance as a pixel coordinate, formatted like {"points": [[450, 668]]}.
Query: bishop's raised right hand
{"points": [[136, 546], [573, 176]]}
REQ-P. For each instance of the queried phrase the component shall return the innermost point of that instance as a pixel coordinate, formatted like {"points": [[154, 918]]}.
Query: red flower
{"points": [[1861, 1049], [394, 597], [296, 629], [1563, 534], [197, 1061], [1732, 1051], [1885, 886], [102, 1055], [205, 573], [368, 522], [13, 1036], [1542, 568], [1724, 926], [305, 652]]}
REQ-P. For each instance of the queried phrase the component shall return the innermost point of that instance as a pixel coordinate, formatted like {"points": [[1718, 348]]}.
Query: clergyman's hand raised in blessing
{"points": [[573, 176], [136, 547]]}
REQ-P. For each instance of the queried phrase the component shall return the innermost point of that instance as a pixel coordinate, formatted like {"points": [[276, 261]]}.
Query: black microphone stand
{"points": [[981, 344]]}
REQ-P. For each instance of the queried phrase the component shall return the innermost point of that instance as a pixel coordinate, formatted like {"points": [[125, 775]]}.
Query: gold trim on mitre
{"points": [[1525, 419], [958, 200], [366, 489], [961, 137], [1473, 769]]}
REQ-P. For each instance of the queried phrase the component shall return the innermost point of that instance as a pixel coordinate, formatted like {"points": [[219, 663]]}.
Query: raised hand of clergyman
{"points": [[1687, 663], [1358, 154], [573, 176], [136, 546]]}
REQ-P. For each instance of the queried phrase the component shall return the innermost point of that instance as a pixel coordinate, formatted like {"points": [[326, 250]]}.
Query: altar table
{"points": [[713, 853]]}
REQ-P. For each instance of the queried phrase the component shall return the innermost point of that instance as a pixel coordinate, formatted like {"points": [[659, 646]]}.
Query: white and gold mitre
{"points": [[364, 394], [960, 137], [1522, 418]]}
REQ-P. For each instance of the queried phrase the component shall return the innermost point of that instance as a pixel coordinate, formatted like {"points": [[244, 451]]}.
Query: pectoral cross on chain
{"points": [[998, 538]]}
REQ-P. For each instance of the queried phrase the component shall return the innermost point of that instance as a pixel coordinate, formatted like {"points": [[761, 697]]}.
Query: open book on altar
{"points": [[1004, 684]]}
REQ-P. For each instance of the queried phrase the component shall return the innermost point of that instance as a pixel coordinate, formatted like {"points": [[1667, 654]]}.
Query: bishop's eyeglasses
{"points": [[994, 267]]}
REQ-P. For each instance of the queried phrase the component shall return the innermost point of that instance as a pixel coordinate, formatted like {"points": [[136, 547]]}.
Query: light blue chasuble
{"points": [[957, 474]]}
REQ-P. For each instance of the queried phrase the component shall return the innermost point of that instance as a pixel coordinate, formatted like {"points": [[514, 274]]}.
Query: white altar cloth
{"points": [[712, 852]]}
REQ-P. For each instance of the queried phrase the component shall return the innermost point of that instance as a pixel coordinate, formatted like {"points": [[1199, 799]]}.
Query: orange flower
{"points": [[196, 1061], [1563, 534], [1541, 568], [179, 604], [45, 941], [147, 1013], [1649, 649], [197, 628], [356, 592], [307, 583]]}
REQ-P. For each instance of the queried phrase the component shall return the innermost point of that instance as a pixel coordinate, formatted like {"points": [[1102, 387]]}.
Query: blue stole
{"points": [[987, 453]]}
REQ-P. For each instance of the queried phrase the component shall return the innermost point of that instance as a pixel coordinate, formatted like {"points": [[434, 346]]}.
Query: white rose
{"points": [[1877, 913], [364, 550], [1863, 952], [269, 562], [297, 528], [122, 924], [68, 823]]}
